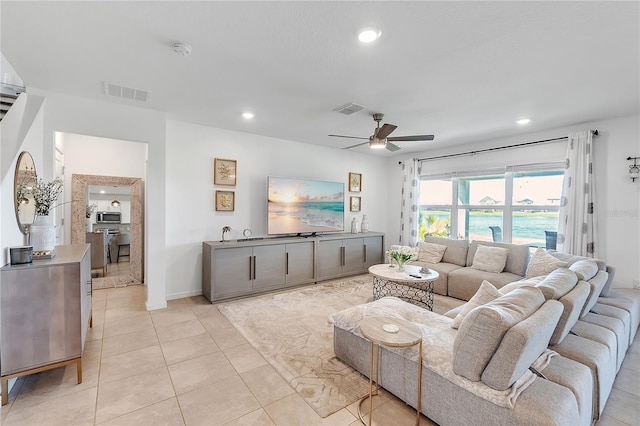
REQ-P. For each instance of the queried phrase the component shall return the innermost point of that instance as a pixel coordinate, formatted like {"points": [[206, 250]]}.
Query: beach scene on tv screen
{"points": [[302, 205]]}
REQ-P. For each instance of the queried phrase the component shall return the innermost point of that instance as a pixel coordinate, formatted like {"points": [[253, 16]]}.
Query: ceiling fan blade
{"points": [[391, 147], [411, 138], [353, 146], [385, 130], [350, 137]]}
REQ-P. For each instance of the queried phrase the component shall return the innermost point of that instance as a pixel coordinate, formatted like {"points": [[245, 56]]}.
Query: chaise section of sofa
{"points": [[508, 393]]}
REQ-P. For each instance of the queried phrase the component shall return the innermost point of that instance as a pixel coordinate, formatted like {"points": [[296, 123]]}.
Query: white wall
{"points": [[191, 215], [124, 121], [15, 141], [618, 198], [92, 155]]}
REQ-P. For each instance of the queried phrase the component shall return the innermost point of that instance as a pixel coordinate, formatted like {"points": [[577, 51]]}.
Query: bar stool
{"points": [[123, 241]]}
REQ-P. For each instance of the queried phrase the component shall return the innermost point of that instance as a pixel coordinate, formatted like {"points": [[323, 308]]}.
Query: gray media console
{"points": [[240, 268]]}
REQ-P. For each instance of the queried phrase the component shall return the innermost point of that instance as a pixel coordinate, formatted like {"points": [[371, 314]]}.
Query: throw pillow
{"points": [[585, 269], [490, 259], [431, 253], [485, 294], [542, 263]]}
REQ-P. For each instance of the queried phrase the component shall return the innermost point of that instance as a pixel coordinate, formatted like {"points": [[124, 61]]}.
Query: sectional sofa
{"points": [[538, 350]]}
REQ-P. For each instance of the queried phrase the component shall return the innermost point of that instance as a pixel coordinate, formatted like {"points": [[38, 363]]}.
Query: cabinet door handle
{"points": [[364, 249], [250, 267], [254, 267], [343, 256], [286, 263]]}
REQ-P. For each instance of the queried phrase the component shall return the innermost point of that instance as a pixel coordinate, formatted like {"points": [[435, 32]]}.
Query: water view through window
{"points": [[517, 207]]}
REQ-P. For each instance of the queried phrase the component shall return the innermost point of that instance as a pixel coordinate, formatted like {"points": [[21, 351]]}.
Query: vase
{"points": [[364, 227], [42, 233], [400, 265], [354, 226]]}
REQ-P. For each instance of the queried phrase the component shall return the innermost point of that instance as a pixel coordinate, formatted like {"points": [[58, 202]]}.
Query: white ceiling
{"points": [[464, 71]]}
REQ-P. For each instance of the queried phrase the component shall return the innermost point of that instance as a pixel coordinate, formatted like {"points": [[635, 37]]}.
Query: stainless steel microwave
{"points": [[108, 217]]}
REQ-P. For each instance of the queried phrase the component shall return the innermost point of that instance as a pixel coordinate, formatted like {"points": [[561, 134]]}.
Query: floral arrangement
{"points": [[45, 195], [402, 254], [90, 209]]}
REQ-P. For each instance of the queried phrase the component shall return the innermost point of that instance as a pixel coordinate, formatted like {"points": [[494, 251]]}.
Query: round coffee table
{"points": [[410, 285], [390, 332]]}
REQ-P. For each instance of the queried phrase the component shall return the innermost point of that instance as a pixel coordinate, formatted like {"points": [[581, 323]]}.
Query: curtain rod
{"points": [[593, 132]]}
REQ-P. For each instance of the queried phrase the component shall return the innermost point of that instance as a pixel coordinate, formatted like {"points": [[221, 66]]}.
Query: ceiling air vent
{"points": [[348, 109], [124, 92]]}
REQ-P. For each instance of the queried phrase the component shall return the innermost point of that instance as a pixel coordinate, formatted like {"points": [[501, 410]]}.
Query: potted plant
{"points": [[42, 233]]}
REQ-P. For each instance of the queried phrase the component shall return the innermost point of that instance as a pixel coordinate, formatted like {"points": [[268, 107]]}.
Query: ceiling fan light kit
{"points": [[376, 143], [381, 139]]}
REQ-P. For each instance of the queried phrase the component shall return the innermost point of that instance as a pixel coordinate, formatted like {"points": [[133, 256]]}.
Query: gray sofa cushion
{"points": [[444, 269], [517, 258], [521, 346], [627, 299], [573, 303], [456, 252], [483, 328], [584, 269], [464, 282], [597, 284], [572, 258], [558, 283]]}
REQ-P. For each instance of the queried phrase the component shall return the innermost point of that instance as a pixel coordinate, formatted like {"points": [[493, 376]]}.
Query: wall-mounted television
{"points": [[300, 206]]}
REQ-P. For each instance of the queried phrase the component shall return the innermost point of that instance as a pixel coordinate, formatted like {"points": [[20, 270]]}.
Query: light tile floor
{"points": [[188, 365]]}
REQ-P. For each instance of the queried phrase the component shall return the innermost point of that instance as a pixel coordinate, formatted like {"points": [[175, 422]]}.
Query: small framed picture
{"points": [[224, 172], [355, 204], [225, 201], [355, 182]]}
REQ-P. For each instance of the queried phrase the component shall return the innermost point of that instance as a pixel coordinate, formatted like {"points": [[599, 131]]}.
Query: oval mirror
{"points": [[23, 183]]}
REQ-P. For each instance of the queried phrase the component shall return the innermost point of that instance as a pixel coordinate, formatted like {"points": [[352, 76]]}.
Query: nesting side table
{"points": [[390, 332]]}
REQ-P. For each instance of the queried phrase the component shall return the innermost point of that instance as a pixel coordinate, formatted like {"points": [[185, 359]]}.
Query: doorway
{"points": [[79, 187]]}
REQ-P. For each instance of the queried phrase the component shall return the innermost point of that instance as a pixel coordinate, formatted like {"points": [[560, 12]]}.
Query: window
{"points": [[535, 206], [520, 205], [435, 217]]}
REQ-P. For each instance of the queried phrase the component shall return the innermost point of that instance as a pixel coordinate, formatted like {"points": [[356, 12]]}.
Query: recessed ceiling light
{"points": [[523, 121], [247, 115], [369, 35]]}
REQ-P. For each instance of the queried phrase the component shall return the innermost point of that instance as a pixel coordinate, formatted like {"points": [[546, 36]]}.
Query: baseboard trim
{"points": [[155, 307], [184, 294]]}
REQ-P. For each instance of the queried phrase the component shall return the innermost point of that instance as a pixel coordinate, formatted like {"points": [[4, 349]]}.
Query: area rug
{"points": [[113, 282], [290, 330]]}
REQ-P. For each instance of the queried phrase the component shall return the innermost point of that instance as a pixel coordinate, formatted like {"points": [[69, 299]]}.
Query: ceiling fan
{"points": [[381, 139]]}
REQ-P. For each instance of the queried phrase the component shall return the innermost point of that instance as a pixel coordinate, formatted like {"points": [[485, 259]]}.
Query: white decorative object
{"points": [[390, 328], [42, 233], [354, 226], [364, 227]]}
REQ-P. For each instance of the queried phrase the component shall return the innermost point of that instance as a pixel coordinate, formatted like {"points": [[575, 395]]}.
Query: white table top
{"points": [[392, 274], [407, 335]]}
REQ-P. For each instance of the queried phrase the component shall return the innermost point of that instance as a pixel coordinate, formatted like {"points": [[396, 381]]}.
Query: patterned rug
{"points": [[113, 282], [290, 330]]}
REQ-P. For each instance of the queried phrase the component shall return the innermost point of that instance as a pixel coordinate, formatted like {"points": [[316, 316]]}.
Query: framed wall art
{"points": [[225, 201], [355, 182], [224, 172], [355, 204]]}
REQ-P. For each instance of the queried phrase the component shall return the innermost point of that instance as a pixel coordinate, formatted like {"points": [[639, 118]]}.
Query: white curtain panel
{"points": [[577, 226], [410, 206]]}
